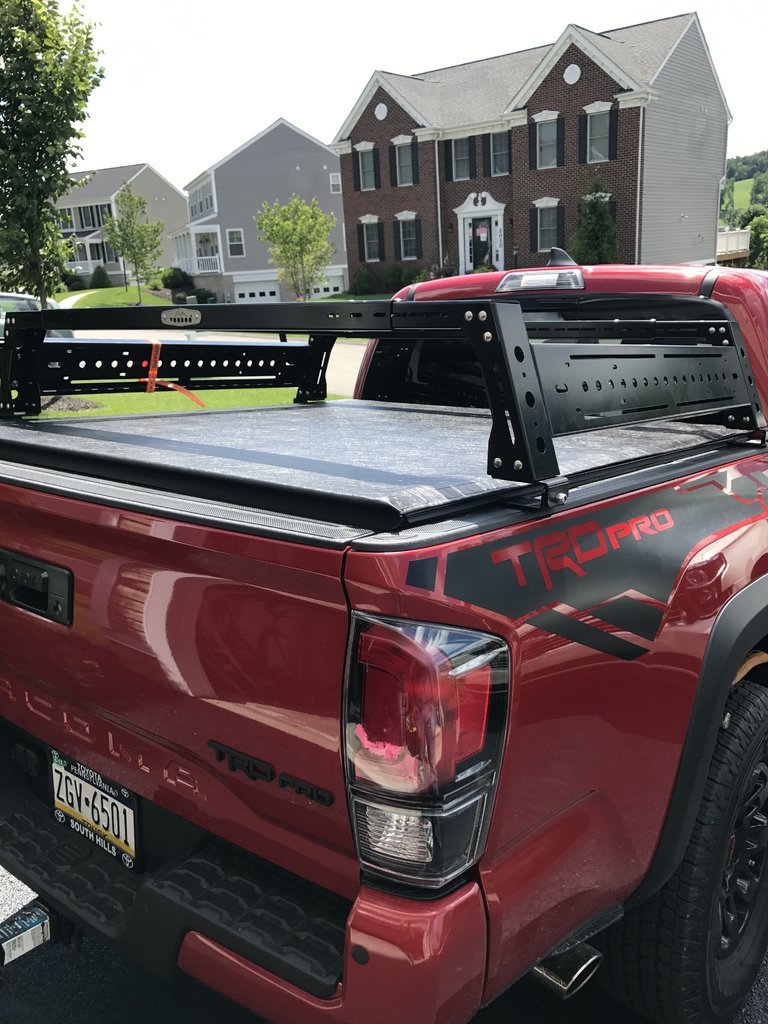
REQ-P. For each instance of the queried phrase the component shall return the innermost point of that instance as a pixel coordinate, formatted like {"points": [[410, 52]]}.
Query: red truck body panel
{"points": [[182, 635], [573, 833]]}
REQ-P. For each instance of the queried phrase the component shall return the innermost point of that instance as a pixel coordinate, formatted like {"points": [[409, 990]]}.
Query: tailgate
{"points": [[202, 670]]}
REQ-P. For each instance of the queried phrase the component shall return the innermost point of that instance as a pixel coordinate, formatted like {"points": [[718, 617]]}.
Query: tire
{"points": [[691, 954]]}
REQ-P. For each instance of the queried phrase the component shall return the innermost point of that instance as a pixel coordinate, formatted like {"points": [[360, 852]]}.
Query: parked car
{"points": [[17, 302]]}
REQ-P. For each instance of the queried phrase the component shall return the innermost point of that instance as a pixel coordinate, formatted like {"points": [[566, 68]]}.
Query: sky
{"points": [[188, 81]]}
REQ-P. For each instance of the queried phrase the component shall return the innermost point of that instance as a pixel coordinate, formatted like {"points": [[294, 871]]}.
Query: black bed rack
{"points": [[584, 375]]}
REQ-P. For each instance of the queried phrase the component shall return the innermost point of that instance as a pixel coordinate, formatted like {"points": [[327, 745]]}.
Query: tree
{"points": [[595, 237], [758, 242], [297, 235], [759, 194], [132, 236], [48, 69], [747, 216]]}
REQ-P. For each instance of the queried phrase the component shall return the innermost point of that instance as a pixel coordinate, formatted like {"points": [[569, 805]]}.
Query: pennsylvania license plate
{"points": [[95, 807]]}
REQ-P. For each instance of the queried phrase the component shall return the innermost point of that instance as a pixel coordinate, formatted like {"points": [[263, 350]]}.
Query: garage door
{"points": [[257, 291]]}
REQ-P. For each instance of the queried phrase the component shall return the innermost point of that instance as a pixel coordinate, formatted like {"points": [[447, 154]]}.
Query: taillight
{"points": [[426, 712]]}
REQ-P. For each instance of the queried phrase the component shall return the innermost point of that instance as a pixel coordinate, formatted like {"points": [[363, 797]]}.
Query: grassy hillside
{"points": [[741, 193]]}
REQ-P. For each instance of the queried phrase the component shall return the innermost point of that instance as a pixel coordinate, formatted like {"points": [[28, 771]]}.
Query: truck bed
{"points": [[370, 466]]}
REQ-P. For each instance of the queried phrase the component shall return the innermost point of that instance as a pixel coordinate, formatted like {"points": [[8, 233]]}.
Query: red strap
{"points": [[152, 380]]}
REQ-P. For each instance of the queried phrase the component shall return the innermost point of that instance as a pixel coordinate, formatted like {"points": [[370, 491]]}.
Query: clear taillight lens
{"points": [[425, 721]]}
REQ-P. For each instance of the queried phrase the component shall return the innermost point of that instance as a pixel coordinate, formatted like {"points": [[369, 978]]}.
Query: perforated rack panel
{"points": [[581, 375]]}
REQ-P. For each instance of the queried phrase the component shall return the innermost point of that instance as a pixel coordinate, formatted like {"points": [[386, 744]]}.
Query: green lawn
{"points": [[171, 401], [741, 193], [112, 297], [346, 296]]}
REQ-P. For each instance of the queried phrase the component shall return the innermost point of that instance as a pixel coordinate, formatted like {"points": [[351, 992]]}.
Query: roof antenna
{"points": [[560, 258]]}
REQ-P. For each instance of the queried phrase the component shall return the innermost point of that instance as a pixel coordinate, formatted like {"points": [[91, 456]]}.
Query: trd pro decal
{"points": [[638, 545]]}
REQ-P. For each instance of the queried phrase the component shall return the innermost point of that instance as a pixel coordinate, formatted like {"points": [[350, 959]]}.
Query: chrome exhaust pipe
{"points": [[567, 973]]}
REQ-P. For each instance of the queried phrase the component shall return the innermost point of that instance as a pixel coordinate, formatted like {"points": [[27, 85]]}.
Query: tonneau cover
{"points": [[375, 465]]}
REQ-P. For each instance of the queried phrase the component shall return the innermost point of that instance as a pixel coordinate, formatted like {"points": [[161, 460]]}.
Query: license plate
{"points": [[95, 807]]}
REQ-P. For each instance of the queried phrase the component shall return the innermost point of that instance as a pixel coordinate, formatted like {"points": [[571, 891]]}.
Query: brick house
{"points": [[485, 164]]}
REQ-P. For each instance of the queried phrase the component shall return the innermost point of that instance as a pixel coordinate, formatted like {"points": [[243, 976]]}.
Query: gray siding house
{"points": [[686, 129], [219, 246], [83, 211]]}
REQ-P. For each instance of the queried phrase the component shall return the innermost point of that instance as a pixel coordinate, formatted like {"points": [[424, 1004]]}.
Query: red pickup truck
{"points": [[374, 706]]}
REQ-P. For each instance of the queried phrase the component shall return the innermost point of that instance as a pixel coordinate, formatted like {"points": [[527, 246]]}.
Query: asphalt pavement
{"points": [[93, 986]]}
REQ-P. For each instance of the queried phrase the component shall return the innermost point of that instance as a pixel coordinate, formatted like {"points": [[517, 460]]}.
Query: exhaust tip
{"points": [[567, 973]]}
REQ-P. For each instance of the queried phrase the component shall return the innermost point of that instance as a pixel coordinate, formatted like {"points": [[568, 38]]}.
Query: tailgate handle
{"points": [[36, 586]]}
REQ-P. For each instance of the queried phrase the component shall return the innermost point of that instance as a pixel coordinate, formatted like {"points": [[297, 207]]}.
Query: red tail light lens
{"points": [[426, 715]]}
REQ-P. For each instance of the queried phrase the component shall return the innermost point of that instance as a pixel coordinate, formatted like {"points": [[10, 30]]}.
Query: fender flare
{"points": [[739, 627]]}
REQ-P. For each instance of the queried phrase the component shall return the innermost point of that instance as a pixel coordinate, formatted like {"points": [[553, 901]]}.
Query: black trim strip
{"points": [[588, 636], [629, 614]]}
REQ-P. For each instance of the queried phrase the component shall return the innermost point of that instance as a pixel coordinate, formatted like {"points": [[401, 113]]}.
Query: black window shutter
{"points": [[418, 239], [361, 242], [509, 144], [356, 170], [396, 239], [376, 170], [380, 226], [415, 160], [560, 141], [613, 134], [561, 227], [532, 146], [472, 143], [533, 218], [582, 138], [392, 165], [448, 155], [612, 208], [487, 155]]}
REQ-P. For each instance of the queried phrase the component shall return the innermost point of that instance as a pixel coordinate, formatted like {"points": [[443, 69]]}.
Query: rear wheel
{"points": [[691, 954]]}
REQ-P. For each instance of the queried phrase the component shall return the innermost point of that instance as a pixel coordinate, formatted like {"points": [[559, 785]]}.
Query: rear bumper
{"points": [[281, 947], [426, 963]]}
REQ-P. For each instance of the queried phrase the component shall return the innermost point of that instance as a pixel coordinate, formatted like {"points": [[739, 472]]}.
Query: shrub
{"points": [[155, 283], [100, 278], [203, 294], [393, 277], [363, 283], [412, 274], [175, 277], [74, 283]]}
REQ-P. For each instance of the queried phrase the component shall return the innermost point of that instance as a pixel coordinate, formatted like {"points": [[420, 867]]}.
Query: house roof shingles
{"points": [[481, 90], [100, 184]]}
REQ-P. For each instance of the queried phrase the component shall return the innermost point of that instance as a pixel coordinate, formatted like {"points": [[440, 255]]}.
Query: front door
{"points": [[480, 255]]}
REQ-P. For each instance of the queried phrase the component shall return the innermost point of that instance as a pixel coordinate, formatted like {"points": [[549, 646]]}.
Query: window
{"points": [[500, 153], [404, 157], [408, 244], [335, 183], [546, 144], [66, 223], [109, 253], [235, 243], [86, 216], [201, 199], [105, 210], [461, 161], [371, 242], [598, 136], [367, 170], [548, 233]]}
